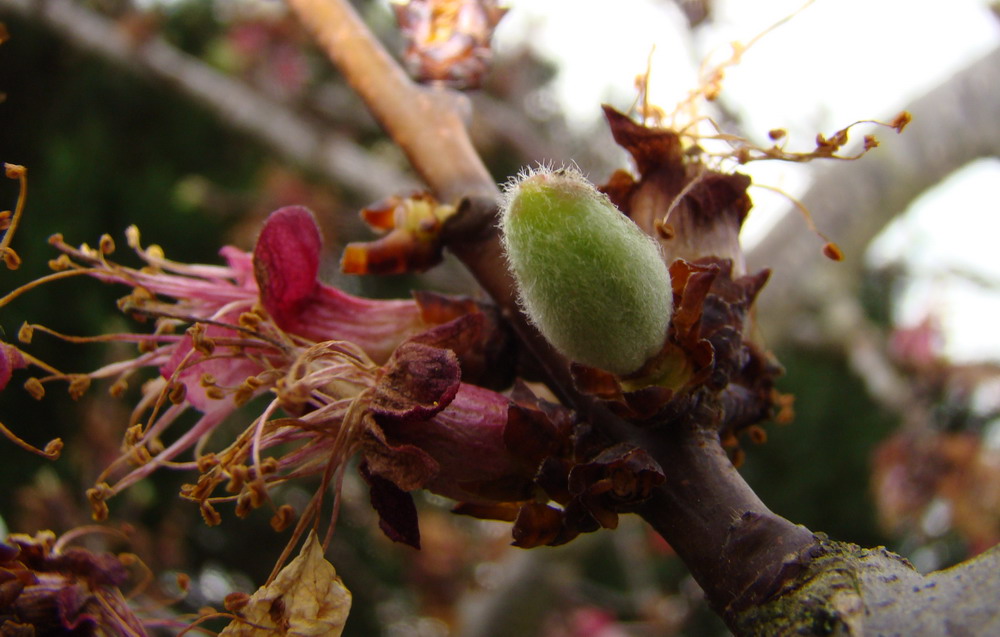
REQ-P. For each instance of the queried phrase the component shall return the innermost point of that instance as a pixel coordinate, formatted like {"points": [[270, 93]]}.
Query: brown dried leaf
{"points": [[305, 599]]}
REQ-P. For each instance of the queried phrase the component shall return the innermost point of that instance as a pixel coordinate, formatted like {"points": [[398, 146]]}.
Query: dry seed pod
{"points": [[591, 281]]}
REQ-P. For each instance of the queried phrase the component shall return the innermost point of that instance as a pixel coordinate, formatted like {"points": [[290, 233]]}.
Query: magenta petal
{"points": [[377, 325], [242, 265], [467, 441], [286, 265], [286, 261], [10, 359]]}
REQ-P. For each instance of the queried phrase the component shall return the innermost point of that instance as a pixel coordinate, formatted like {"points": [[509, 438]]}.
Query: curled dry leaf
{"points": [[306, 598]]}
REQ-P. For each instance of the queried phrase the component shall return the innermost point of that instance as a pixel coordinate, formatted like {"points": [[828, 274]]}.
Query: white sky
{"points": [[836, 62]]}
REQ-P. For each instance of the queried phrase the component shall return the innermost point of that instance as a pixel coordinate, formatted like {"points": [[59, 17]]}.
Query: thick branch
{"points": [[237, 103], [736, 548], [847, 590]]}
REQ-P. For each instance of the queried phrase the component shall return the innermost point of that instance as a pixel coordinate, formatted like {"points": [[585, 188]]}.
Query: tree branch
{"points": [[424, 122], [238, 104], [705, 503], [736, 548]]}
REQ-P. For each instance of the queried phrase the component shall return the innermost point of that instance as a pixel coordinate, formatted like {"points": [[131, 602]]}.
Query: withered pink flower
{"points": [[406, 385], [48, 588], [347, 375]]}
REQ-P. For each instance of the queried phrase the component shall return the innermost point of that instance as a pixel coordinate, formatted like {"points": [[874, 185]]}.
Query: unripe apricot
{"points": [[592, 282]]}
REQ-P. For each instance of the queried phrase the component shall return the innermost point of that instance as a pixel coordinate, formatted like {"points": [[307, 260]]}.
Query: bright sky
{"points": [[877, 54]]}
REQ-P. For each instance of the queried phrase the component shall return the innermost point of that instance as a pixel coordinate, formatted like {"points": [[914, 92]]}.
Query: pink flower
{"points": [[346, 375], [261, 323]]}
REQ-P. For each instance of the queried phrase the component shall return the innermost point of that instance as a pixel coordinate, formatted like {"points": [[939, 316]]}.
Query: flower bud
{"points": [[592, 282]]}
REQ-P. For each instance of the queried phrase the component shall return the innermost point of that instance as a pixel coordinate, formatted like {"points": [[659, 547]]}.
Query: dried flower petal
{"points": [[412, 243], [397, 515], [49, 589], [305, 599], [448, 41], [417, 382]]}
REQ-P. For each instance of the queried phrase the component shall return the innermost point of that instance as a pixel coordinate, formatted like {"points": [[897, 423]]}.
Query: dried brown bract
{"points": [[448, 41], [411, 243]]}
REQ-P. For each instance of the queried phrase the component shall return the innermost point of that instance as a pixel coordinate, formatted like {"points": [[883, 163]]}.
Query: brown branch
{"points": [[736, 548], [424, 122], [235, 102]]}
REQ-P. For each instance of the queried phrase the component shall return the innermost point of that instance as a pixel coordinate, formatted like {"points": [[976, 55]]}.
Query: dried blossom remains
{"points": [[448, 41], [49, 588]]}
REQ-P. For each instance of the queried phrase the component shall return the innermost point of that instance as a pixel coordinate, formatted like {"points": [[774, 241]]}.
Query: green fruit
{"points": [[590, 280]]}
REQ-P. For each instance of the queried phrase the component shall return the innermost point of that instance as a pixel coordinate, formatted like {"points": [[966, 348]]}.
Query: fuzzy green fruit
{"points": [[590, 280]]}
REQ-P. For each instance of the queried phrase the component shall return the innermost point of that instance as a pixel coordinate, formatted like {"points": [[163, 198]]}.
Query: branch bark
{"points": [[422, 121], [238, 104]]}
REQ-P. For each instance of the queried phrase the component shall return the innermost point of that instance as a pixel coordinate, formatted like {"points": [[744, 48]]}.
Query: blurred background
{"points": [[195, 118]]}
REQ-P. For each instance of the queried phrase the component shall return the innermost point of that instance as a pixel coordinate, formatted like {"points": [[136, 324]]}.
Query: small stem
{"points": [[425, 123]]}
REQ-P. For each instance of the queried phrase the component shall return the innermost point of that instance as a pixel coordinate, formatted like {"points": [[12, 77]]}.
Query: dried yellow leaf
{"points": [[306, 599]]}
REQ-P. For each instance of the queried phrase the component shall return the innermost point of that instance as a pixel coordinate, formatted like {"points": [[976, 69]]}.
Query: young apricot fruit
{"points": [[592, 282]]}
